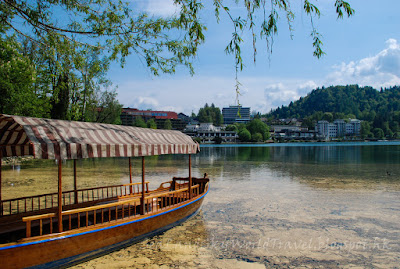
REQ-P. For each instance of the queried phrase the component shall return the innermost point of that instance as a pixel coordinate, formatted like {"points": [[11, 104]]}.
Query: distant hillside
{"points": [[379, 109]]}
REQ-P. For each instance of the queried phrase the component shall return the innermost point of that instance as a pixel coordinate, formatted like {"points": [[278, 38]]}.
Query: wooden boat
{"points": [[67, 227]]}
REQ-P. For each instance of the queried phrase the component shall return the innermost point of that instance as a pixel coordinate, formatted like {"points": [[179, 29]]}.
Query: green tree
{"points": [[244, 135], [70, 82], [210, 114], [139, 122], [197, 139], [203, 116], [92, 70], [151, 123], [378, 133], [257, 126], [17, 78], [308, 123], [117, 30], [104, 107], [168, 124], [267, 135], [240, 126], [328, 116], [218, 117], [231, 127], [257, 137], [114, 29], [61, 96], [365, 129], [111, 27]]}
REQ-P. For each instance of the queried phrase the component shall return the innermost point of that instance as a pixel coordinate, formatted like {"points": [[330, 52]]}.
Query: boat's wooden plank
{"points": [[53, 250]]}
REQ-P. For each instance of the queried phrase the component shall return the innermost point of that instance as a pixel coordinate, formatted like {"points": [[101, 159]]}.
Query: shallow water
{"points": [[296, 206]]}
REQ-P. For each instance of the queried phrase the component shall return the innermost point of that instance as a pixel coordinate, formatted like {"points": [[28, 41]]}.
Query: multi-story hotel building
{"points": [[339, 128], [234, 114]]}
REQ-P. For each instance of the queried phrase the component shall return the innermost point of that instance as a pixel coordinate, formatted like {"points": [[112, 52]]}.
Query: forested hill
{"points": [[381, 109]]}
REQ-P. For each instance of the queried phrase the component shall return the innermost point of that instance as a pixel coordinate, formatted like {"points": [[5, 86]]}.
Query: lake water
{"points": [[325, 205]]}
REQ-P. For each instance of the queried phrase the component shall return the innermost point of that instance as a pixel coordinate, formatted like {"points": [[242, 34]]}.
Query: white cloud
{"points": [[190, 94], [187, 94], [180, 94], [380, 70], [163, 8], [143, 102], [283, 93]]}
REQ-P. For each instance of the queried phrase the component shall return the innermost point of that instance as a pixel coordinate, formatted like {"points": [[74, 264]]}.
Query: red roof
{"points": [[150, 113]]}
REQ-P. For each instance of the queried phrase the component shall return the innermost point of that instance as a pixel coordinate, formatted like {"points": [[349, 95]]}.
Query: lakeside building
{"points": [[339, 128], [184, 118], [207, 133], [291, 132], [177, 124], [237, 114], [280, 128], [128, 116]]}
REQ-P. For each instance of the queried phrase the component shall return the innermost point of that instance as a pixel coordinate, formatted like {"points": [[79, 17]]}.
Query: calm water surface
{"points": [[286, 206]]}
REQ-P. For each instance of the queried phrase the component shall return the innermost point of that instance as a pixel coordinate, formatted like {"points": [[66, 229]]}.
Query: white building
{"points": [[353, 128], [207, 132], [321, 128], [192, 127], [333, 130], [339, 128], [208, 126], [280, 128]]}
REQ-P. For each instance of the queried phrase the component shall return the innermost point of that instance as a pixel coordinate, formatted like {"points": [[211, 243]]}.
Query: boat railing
{"points": [[157, 202], [107, 212], [163, 185], [49, 200], [178, 182]]}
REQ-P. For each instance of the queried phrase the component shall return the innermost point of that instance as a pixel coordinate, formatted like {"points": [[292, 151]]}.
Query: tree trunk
{"points": [[60, 102]]}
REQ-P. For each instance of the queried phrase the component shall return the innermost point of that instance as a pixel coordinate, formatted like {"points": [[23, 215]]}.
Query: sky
{"points": [[363, 49]]}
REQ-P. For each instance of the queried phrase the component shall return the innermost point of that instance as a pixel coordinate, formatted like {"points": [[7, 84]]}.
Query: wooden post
{"points": [[75, 185], [190, 176], [130, 176], [142, 205], [59, 210]]}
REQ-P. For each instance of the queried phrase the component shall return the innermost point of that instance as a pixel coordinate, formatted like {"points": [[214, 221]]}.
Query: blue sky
{"points": [[363, 49]]}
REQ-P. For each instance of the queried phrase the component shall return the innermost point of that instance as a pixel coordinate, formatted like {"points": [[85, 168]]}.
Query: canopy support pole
{"points": [[130, 176], [1, 200], [59, 210], [190, 176], [75, 185], [143, 183]]}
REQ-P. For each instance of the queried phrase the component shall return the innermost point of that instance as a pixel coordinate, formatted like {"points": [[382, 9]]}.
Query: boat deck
{"points": [[97, 211]]}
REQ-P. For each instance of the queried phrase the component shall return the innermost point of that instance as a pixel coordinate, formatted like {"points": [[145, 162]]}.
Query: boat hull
{"points": [[69, 248]]}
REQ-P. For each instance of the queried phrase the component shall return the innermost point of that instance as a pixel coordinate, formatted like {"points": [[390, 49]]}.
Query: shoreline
{"points": [[308, 143]]}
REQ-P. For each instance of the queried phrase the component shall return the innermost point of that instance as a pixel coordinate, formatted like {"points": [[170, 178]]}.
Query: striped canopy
{"points": [[60, 139]]}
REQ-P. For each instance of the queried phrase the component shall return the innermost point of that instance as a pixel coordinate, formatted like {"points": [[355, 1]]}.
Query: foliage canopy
{"points": [[211, 114], [67, 46], [118, 28]]}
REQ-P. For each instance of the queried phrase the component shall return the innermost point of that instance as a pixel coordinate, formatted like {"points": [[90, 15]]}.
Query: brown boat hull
{"points": [[69, 248]]}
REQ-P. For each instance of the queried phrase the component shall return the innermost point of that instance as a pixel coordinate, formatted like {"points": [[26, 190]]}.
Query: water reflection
{"points": [[292, 206], [319, 166], [307, 153]]}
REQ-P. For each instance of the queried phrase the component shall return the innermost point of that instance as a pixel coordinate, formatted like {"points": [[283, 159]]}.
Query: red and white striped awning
{"points": [[60, 139]]}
